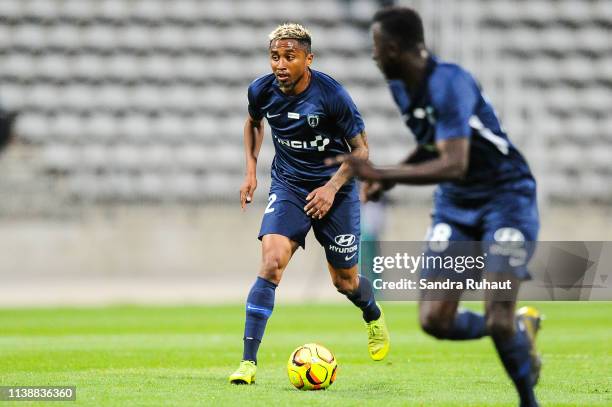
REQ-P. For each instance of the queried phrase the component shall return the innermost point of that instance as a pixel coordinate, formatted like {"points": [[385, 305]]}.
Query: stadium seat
{"points": [[184, 186], [167, 128], [33, 128], [124, 157], [115, 186], [13, 10], [101, 127], [113, 10], [183, 12], [59, 157], [135, 128], [31, 37], [45, 97], [102, 38], [78, 10], [67, 127], [146, 98], [219, 10], [169, 37], [135, 38], [18, 65], [42, 10], [94, 157], [540, 12], [157, 157], [89, 67], [574, 11], [147, 10], [151, 187], [192, 157]]}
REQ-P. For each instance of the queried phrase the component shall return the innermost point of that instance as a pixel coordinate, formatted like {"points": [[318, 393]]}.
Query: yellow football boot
{"points": [[378, 337], [245, 374]]}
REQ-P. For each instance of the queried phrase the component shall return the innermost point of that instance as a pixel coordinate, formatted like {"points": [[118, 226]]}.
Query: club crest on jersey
{"points": [[313, 120]]}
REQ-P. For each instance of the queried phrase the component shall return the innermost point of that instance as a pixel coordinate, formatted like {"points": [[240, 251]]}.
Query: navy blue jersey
{"points": [[449, 104], [307, 128]]}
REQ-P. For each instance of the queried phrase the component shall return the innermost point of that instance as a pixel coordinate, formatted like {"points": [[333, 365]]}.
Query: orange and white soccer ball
{"points": [[312, 367]]}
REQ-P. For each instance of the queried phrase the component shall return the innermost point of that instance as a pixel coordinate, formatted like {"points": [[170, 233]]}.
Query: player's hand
{"points": [[320, 201], [359, 167], [371, 191], [247, 189], [374, 190]]}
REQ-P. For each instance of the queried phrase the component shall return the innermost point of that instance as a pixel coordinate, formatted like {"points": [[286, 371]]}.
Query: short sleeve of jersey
{"points": [[252, 94], [454, 98], [343, 110]]}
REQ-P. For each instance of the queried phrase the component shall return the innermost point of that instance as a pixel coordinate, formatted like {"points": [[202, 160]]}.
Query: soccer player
{"points": [[312, 118], [486, 191]]}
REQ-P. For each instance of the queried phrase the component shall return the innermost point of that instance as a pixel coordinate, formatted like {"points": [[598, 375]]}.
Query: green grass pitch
{"points": [[183, 356]]}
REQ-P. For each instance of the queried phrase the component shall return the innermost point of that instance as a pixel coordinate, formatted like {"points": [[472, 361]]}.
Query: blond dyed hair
{"points": [[292, 31]]}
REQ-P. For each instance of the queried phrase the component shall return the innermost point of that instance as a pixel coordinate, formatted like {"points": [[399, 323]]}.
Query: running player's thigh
{"points": [[438, 312], [339, 232]]}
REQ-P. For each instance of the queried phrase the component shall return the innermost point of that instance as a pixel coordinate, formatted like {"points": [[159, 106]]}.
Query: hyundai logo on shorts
{"points": [[345, 240]]}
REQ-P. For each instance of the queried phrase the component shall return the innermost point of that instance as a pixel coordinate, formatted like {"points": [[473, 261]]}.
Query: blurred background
{"points": [[122, 184]]}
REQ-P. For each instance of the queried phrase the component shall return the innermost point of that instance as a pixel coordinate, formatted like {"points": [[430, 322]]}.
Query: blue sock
{"points": [[259, 306], [514, 354], [363, 298], [468, 325]]}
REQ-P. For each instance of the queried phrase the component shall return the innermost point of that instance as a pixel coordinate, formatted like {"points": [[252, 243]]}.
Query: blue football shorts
{"points": [[503, 228], [338, 232]]}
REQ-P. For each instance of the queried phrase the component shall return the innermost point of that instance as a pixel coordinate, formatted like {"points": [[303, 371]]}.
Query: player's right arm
{"points": [[253, 138], [374, 190]]}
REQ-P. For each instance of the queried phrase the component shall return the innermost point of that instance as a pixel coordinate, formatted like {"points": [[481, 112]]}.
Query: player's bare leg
{"points": [[441, 317], [437, 317], [358, 290], [276, 251]]}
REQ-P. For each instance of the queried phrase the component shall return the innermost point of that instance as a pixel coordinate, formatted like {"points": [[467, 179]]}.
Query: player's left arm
{"points": [[321, 199]]}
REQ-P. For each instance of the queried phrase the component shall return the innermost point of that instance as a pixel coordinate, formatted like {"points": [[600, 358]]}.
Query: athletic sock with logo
{"points": [[363, 297], [468, 325], [514, 354], [259, 306]]}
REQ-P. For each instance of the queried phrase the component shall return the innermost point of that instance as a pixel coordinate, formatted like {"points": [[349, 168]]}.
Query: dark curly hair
{"points": [[402, 24]]}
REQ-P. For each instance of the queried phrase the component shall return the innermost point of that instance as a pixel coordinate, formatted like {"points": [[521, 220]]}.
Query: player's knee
{"points": [[346, 285], [500, 327], [272, 267], [435, 325]]}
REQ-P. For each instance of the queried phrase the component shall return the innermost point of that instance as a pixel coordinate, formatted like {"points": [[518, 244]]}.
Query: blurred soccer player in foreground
{"points": [[486, 191], [312, 118]]}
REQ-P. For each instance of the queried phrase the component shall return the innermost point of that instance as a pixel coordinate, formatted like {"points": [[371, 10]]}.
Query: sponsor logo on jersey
{"points": [[319, 143], [292, 115]]}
